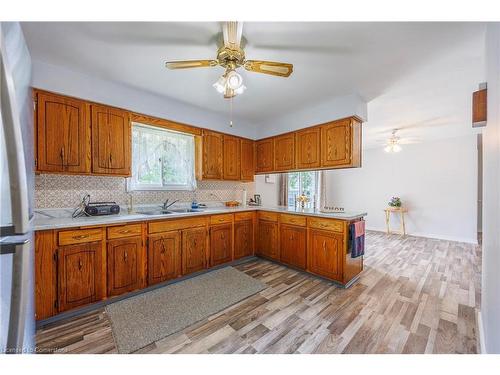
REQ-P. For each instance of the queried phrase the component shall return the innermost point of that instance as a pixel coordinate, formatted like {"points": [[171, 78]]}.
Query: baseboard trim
{"points": [[431, 235], [480, 333]]}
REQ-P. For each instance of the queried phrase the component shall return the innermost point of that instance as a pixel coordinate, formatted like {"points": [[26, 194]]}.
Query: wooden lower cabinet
{"points": [[221, 244], [325, 253], [268, 240], [293, 245], [80, 275], [125, 263], [194, 250], [164, 257], [243, 238]]}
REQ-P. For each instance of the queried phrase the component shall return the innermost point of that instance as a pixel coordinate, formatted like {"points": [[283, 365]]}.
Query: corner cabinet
{"points": [[63, 134], [212, 149], [231, 153], [264, 150], [111, 141], [247, 164]]}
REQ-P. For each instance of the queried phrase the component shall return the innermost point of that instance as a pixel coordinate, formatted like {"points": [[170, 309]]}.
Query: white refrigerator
{"points": [[16, 201]]}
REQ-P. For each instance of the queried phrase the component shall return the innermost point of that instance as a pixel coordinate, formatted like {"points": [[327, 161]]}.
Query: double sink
{"points": [[172, 211]]}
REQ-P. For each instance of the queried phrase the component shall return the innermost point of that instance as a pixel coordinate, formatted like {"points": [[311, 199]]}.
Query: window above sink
{"points": [[161, 159]]}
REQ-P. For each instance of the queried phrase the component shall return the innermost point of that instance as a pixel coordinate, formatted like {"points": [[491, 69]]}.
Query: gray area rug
{"points": [[143, 319]]}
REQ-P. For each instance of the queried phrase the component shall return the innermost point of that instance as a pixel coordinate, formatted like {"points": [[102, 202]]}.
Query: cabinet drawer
{"points": [[240, 216], [71, 237], [326, 224], [269, 216], [176, 224], [293, 220], [221, 219], [124, 231]]}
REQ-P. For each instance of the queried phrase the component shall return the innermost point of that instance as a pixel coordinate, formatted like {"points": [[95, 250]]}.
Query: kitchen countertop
{"points": [[61, 218]]}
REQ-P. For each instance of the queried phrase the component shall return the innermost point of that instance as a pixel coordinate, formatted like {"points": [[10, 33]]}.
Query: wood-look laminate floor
{"points": [[416, 295]]}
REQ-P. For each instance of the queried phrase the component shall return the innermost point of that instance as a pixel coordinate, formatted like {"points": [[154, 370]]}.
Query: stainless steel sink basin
{"points": [[173, 211], [157, 212], [183, 210]]}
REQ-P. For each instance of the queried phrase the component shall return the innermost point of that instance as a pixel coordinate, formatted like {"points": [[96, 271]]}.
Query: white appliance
{"points": [[17, 316]]}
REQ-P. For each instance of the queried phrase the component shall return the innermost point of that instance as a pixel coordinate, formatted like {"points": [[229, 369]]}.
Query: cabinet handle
{"points": [[221, 220], [125, 256], [110, 160], [124, 231], [163, 248], [80, 237], [324, 246], [80, 264], [291, 237]]}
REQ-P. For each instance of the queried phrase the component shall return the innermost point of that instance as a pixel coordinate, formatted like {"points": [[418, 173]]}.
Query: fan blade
{"points": [[269, 67], [191, 64], [232, 32]]}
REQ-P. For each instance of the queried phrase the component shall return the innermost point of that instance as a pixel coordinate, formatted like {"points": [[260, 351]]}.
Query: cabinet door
{"points": [[194, 250], [324, 256], [231, 157], [243, 238], [124, 265], [164, 257], [336, 143], [284, 152], [212, 155], [264, 151], [268, 240], [111, 141], [293, 245], [221, 244], [63, 134], [80, 275], [247, 160], [307, 148]]}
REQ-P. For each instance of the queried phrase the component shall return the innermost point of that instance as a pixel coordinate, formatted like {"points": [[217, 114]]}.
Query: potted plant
{"points": [[395, 202]]}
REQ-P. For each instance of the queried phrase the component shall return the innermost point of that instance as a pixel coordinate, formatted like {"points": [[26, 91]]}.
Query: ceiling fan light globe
{"points": [[240, 89], [234, 80], [220, 85]]}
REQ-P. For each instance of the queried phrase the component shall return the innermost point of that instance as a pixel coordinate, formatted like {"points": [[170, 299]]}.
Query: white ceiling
{"points": [[419, 75]]}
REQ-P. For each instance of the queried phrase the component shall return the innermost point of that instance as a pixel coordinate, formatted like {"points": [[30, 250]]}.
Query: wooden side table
{"points": [[402, 212]]}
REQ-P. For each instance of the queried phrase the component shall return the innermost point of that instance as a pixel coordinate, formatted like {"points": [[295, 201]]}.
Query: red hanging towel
{"points": [[359, 228]]}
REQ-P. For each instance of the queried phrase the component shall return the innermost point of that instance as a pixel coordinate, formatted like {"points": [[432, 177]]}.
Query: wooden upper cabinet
{"points": [[264, 151], [324, 255], [63, 134], [284, 152], [231, 152], [194, 250], [243, 238], [247, 164], [81, 279], [293, 245], [308, 148], [212, 155], [221, 244], [125, 262], [164, 257], [336, 143], [111, 141]]}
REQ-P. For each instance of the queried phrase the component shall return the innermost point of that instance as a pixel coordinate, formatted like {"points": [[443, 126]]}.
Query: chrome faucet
{"points": [[167, 205]]}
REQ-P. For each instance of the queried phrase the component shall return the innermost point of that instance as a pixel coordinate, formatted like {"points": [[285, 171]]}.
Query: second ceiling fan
{"points": [[231, 57]]}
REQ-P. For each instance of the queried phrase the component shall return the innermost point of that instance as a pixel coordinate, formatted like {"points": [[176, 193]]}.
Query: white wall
{"points": [[436, 180], [268, 192], [65, 81], [490, 301]]}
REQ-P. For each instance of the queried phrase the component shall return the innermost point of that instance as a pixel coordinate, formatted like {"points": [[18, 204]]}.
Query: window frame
{"points": [[190, 186]]}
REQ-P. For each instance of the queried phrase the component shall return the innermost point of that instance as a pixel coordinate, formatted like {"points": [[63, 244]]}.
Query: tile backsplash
{"points": [[58, 191]]}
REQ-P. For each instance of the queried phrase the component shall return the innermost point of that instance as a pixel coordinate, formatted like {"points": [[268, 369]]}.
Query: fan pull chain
{"points": [[231, 112]]}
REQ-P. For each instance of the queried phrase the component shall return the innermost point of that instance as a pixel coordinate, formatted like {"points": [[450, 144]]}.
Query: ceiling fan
{"points": [[394, 142], [231, 57]]}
